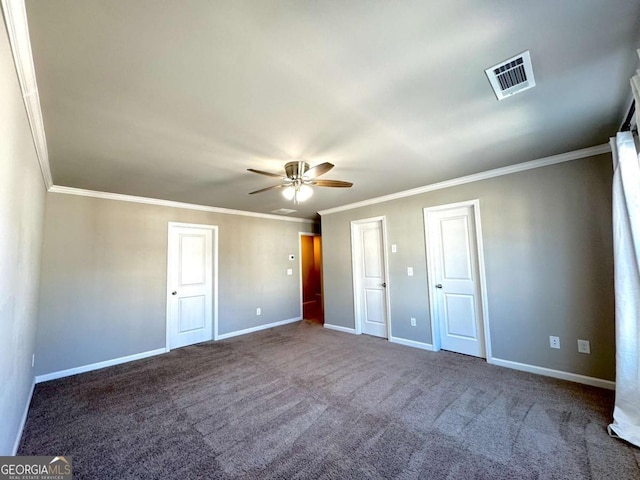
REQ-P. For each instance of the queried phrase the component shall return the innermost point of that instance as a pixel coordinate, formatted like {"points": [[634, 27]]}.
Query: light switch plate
{"points": [[289, 271], [410, 271], [394, 248]]}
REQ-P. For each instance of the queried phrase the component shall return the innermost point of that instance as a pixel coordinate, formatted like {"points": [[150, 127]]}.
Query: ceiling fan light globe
{"points": [[289, 193], [304, 193]]}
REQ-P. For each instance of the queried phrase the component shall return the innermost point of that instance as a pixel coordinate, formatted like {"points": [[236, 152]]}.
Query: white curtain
{"points": [[626, 241]]}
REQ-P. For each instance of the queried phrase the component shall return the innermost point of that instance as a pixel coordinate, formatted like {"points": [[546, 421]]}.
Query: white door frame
{"points": [[431, 279], [357, 308], [300, 235], [214, 231]]}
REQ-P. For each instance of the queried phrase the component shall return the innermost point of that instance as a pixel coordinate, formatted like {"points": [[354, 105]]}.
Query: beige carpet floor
{"points": [[304, 402]]}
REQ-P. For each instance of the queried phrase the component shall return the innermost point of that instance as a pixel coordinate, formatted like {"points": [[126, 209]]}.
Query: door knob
{"points": [[174, 293], [439, 285], [384, 285]]}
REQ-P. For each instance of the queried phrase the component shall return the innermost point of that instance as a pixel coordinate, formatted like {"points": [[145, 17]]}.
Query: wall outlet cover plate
{"points": [[584, 346]]}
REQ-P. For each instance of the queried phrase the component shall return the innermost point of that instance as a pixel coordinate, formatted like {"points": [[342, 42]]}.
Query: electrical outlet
{"points": [[289, 271], [413, 322], [410, 271], [394, 248], [258, 311], [554, 342], [584, 346]]}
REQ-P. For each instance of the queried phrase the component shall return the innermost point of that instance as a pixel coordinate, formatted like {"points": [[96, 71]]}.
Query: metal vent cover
{"points": [[283, 211], [512, 76]]}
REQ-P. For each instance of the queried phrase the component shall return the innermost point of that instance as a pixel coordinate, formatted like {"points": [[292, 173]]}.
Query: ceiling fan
{"points": [[299, 178]]}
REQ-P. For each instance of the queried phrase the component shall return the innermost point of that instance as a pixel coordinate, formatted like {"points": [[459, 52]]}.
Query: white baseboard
{"points": [[97, 366], [338, 328], [549, 372], [412, 343], [258, 328], [23, 421]]}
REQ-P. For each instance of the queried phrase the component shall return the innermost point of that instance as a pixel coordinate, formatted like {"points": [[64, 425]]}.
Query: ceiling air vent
{"points": [[511, 76], [283, 211]]}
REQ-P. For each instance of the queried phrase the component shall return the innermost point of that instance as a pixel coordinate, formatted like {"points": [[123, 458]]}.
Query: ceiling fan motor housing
{"points": [[294, 170]]}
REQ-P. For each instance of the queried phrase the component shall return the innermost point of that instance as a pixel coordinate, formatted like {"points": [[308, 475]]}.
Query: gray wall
{"points": [[549, 263], [104, 277], [22, 196]]}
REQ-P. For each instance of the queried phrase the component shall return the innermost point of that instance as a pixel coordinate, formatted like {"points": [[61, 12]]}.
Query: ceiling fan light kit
{"points": [[297, 193], [299, 178]]}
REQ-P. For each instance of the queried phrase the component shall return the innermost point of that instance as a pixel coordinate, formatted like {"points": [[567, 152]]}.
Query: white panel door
{"points": [[452, 238], [370, 281], [190, 285]]}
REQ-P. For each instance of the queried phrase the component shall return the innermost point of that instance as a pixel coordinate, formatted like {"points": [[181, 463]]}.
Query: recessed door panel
{"points": [[459, 309], [374, 306], [192, 313], [192, 260], [371, 258], [456, 256]]}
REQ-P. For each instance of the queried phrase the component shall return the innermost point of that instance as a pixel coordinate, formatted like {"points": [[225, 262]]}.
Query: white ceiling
{"points": [[176, 99]]}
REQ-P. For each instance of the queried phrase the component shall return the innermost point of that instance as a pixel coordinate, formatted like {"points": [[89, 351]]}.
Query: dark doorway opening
{"points": [[311, 261]]}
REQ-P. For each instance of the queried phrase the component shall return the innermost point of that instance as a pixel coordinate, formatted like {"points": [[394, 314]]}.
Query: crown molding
{"points": [[497, 172], [15, 17], [168, 203]]}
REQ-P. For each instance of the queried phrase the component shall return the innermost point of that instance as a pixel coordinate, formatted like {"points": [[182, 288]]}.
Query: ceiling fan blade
{"points": [[332, 183], [269, 188], [318, 170], [268, 174]]}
